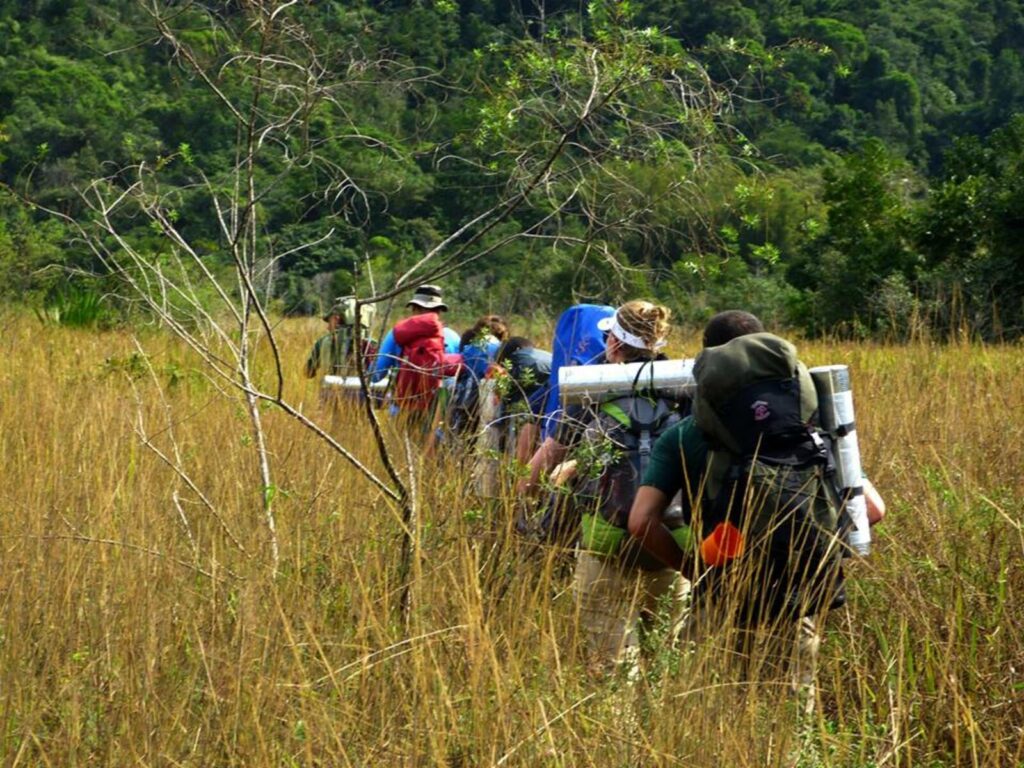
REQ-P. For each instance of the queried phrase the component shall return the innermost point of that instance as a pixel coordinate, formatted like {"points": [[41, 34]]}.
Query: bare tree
{"points": [[556, 141]]}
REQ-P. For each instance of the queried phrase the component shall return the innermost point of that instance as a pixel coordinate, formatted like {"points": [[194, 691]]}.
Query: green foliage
{"points": [[75, 306], [867, 238], [31, 251], [804, 196], [971, 236]]}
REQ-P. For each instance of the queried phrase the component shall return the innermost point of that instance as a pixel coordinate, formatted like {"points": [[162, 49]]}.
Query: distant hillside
{"points": [[867, 163]]}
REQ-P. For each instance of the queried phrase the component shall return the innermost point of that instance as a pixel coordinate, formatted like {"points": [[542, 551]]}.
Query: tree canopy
{"points": [[835, 165]]}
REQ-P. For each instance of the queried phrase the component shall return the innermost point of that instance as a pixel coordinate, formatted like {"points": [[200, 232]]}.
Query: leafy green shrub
{"points": [[75, 306]]}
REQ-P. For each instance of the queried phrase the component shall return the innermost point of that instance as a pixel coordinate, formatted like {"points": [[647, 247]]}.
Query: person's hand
{"points": [[875, 503], [563, 473]]}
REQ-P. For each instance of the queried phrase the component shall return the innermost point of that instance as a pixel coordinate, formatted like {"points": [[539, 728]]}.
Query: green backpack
{"points": [[769, 485]]}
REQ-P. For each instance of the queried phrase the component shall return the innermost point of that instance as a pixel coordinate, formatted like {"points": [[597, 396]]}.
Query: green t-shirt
{"points": [[677, 463]]}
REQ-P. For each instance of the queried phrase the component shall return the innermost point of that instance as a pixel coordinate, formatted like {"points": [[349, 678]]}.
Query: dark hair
{"points": [[510, 346], [492, 324], [728, 325]]}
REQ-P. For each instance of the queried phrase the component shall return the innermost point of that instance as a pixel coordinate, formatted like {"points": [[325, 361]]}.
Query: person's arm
{"points": [[452, 341], [313, 361], [547, 457], [875, 503], [388, 356], [526, 439], [645, 525]]}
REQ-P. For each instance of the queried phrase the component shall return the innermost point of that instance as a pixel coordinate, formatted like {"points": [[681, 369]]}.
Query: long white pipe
{"points": [[597, 383], [835, 411], [352, 384], [485, 473]]}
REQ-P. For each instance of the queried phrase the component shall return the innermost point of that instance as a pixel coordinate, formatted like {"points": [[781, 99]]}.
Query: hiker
{"points": [[511, 399], [417, 346], [528, 372], [617, 585], [333, 353], [773, 566], [478, 346], [578, 340]]}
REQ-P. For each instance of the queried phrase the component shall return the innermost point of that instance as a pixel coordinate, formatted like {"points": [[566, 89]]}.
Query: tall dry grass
{"points": [[141, 624]]}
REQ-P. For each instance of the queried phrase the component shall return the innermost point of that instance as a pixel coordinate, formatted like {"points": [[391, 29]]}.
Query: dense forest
{"points": [[849, 166]]}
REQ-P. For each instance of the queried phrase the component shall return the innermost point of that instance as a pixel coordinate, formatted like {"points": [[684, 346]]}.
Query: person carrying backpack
{"points": [[527, 372], [756, 482], [334, 352], [578, 340], [417, 347], [478, 346], [616, 583]]}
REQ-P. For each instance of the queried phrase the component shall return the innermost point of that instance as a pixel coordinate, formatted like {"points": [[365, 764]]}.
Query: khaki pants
{"points": [[612, 601], [786, 651]]}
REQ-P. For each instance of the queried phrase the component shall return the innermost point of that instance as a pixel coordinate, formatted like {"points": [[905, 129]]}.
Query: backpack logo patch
{"points": [[761, 410]]}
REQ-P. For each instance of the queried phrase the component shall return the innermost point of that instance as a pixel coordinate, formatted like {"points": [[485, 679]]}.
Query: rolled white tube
{"points": [[596, 383], [835, 411], [352, 384], [485, 470]]}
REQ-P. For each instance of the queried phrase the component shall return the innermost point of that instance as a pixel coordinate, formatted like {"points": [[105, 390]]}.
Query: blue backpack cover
{"points": [[577, 341]]}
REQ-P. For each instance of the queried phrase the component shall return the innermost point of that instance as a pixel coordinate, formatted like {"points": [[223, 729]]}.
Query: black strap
{"points": [[644, 451], [845, 429]]}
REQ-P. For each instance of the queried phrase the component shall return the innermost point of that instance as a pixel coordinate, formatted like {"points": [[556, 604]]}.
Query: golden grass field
{"points": [[142, 626]]}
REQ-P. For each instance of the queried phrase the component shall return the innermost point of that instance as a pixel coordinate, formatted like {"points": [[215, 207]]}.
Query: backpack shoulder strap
{"points": [[644, 418], [614, 409], [720, 465]]}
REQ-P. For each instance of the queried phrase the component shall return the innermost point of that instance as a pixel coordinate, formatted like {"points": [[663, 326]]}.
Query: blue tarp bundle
{"points": [[577, 341]]}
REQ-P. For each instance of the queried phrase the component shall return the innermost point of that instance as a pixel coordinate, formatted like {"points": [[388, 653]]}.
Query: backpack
{"points": [[421, 338], [770, 511], [611, 462], [464, 409], [577, 341], [530, 370]]}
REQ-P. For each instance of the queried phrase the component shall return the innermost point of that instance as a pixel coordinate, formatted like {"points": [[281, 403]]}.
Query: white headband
{"points": [[611, 325]]}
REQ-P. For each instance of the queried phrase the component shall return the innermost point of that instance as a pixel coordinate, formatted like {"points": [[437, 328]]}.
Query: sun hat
{"points": [[345, 308], [428, 297]]}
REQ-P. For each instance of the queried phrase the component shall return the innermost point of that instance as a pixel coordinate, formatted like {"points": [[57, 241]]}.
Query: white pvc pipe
{"points": [[835, 411], [352, 384], [671, 379], [485, 473]]}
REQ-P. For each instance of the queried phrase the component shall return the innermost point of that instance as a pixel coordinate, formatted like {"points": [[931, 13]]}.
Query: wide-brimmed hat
{"points": [[337, 307], [428, 297], [345, 308]]}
